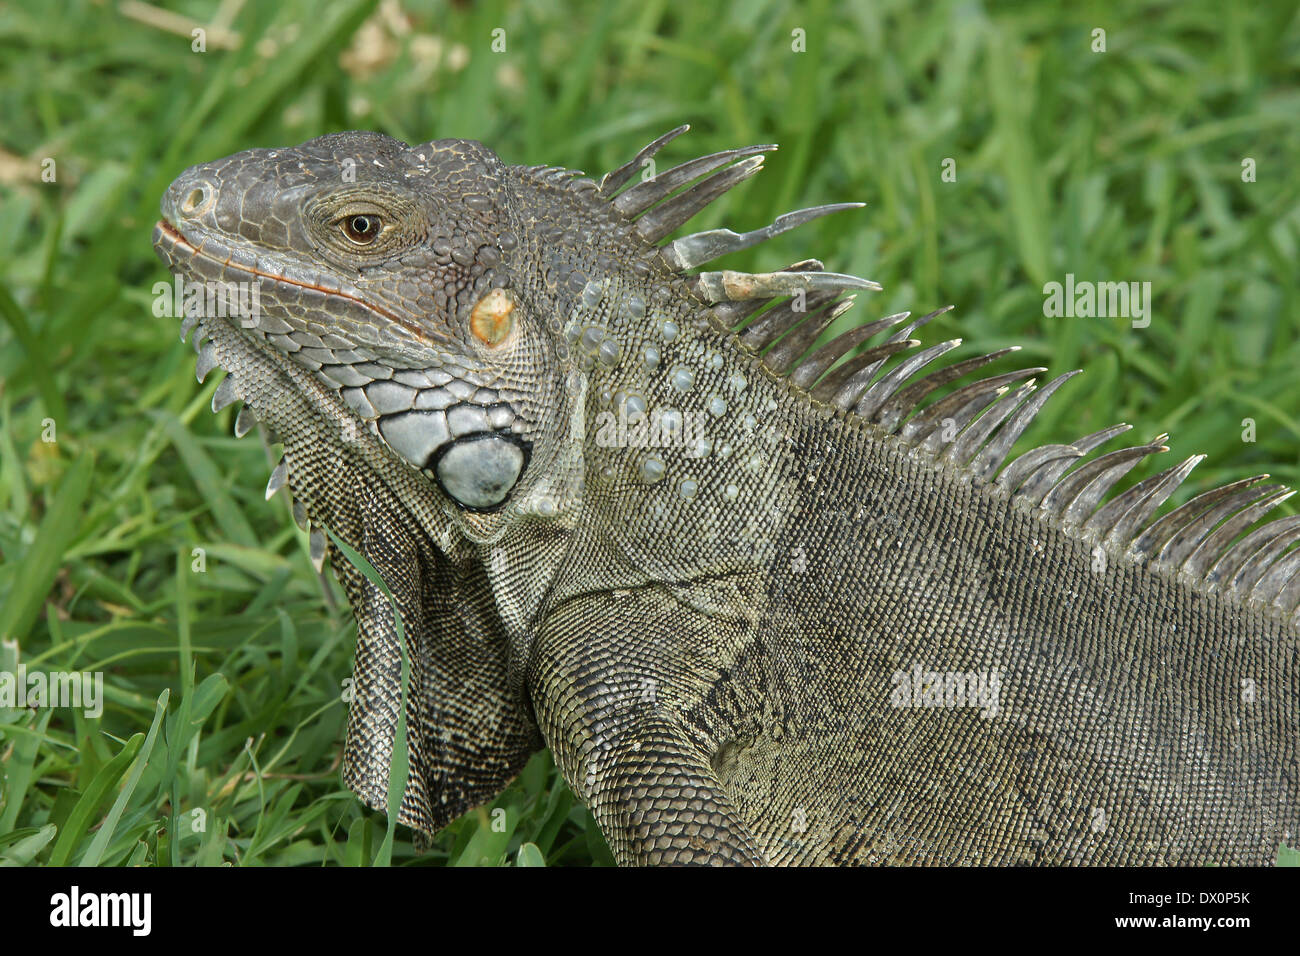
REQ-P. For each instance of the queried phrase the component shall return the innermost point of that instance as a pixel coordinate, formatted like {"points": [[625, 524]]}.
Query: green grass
{"points": [[223, 686]]}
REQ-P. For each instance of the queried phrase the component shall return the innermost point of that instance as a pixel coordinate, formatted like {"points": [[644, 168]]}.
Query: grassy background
{"points": [[223, 686]]}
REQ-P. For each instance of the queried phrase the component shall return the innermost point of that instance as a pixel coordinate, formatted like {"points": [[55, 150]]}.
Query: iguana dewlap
{"points": [[767, 600]]}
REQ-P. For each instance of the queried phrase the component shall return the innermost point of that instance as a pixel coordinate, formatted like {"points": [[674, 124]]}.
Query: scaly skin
{"points": [[710, 635]]}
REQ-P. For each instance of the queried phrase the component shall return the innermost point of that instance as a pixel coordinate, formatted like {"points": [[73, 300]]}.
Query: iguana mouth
{"points": [[168, 239]]}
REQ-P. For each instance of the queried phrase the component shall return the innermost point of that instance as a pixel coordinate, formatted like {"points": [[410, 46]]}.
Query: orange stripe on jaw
{"points": [[423, 334]]}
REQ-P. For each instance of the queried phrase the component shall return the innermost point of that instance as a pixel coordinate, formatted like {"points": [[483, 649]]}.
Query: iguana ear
{"points": [[467, 735]]}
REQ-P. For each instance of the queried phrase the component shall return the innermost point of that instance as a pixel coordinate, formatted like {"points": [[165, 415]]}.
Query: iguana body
{"points": [[718, 636]]}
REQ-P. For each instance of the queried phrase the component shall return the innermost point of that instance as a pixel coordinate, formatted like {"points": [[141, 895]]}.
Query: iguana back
{"points": [[766, 599]]}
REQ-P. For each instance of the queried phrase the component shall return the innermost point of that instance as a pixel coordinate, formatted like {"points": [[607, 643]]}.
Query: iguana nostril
{"points": [[197, 201]]}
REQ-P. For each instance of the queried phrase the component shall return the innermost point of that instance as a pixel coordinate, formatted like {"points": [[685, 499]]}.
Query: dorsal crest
{"points": [[880, 376]]}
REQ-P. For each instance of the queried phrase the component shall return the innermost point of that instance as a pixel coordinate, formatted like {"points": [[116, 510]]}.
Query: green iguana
{"points": [[766, 600]]}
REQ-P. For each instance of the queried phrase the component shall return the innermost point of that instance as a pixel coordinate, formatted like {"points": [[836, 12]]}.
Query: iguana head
{"points": [[392, 274]]}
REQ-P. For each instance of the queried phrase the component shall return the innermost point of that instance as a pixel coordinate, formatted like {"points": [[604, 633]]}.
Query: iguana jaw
{"points": [[422, 361], [245, 355]]}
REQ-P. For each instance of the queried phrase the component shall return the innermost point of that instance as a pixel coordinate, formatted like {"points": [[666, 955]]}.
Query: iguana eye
{"points": [[361, 229]]}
